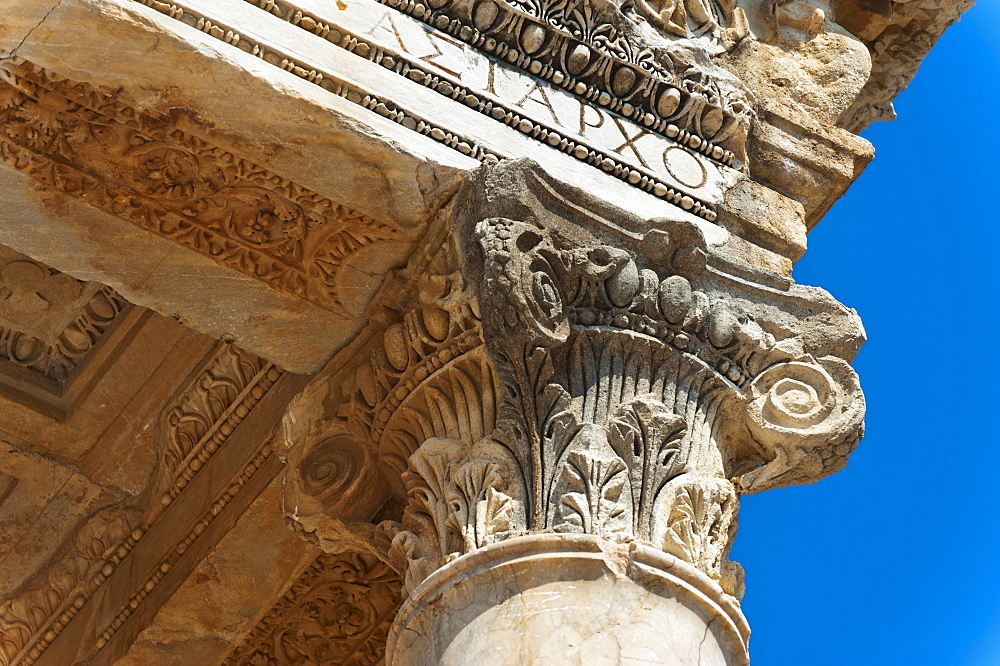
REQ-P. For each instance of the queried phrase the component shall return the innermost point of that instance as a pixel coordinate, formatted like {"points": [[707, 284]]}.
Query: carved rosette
{"points": [[644, 379]]}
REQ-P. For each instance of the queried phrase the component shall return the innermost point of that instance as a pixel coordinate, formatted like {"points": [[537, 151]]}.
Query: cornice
{"points": [[485, 104]]}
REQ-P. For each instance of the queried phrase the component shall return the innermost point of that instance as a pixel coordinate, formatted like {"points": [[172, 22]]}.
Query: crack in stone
{"points": [[704, 637], [13, 51], [56, 463]]}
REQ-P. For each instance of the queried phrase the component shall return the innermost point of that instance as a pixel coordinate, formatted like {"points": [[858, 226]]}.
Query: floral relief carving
{"points": [[77, 140], [337, 612], [455, 506], [593, 495], [641, 383], [699, 521], [50, 321]]}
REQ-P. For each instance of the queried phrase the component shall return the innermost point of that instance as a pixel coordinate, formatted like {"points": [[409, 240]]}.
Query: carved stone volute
{"points": [[648, 377], [585, 372], [417, 375]]}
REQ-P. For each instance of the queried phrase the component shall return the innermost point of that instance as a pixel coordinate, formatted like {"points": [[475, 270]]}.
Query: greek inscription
{"points": [[544, 103], [684, 167], [630, 141], [542, 100], [583, 119], [387, 26]]}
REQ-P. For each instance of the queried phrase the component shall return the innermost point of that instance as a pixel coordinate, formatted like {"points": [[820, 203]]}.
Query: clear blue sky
{"points": [[896, 559]]}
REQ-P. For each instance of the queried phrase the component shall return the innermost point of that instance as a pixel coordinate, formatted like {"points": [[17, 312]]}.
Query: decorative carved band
{"points": [[31, 621], [578, 48], [327, 80], [79, 141], [220, 394], [337, 612], [203, 417], [480, 102]]}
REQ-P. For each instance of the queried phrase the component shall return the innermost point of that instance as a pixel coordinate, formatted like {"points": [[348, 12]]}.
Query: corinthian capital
{"points": [[649, 375], [569, 378]]}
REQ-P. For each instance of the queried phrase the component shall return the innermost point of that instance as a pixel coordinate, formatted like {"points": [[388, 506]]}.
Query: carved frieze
{"points": [[593, 51], [34, 618], [337, 612], [220, 394], [200, 420], [83, 142]]}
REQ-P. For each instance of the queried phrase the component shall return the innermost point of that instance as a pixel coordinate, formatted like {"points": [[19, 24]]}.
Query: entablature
{"points": [[356, 123]]}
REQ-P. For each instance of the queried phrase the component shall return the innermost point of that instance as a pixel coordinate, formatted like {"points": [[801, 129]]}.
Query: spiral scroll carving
{"points": [[806, 418]]}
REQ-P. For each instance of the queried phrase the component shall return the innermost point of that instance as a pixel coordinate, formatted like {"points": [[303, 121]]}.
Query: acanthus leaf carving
{"points": [[698, 521], [644, 432], [456, 506], [592, 494], [478, 512]]}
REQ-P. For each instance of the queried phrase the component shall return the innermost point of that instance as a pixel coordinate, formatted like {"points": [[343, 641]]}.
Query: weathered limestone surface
{"points": [[899, 35], [569, 600], [276, 229], [232, 589], [445, 332]]}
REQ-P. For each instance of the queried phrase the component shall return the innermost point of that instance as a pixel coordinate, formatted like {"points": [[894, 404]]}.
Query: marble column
{"points": [[571, 408], [569, 598]]}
